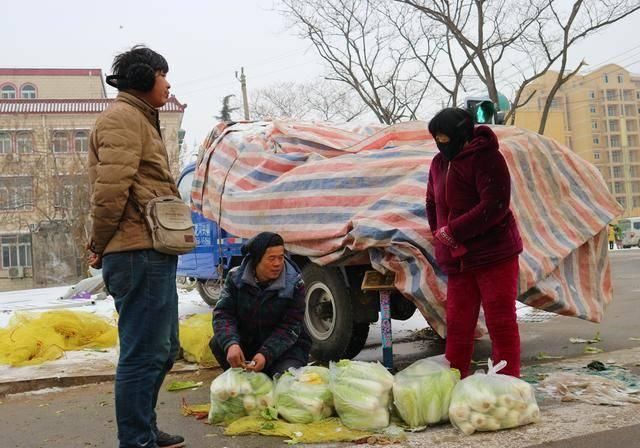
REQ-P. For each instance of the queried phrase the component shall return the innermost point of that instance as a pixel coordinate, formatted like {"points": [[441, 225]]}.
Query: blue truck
{"points": [[338, 312], [215, 253]]}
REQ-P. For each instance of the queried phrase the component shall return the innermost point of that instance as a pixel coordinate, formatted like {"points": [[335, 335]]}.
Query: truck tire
{"points": [[209, 290], [329, 315]]}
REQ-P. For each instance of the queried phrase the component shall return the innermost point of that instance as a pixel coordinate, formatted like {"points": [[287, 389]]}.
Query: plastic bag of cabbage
{"points": [[303, 396], [489, 402], [237, 393], [361, 393], [422, 391]]}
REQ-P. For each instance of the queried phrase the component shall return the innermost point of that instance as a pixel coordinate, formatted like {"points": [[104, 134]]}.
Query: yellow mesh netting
{"points": [[327, 430], [195, 333], [33, 338]]}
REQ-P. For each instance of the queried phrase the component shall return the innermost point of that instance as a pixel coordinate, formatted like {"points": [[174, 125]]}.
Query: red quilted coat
{"points": [[471, 194]]}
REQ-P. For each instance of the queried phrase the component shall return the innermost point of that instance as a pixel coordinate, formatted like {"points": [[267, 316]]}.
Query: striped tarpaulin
{"points": [[334, 193]]}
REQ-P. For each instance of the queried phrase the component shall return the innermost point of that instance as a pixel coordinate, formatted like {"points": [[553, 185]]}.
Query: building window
{"points": [[81, 141], [617, 171], [614, 141], [620, 79], [613, 126], [634, 171], [612, 95], [8, 92], [632, 140], [618, 187], [24, 142], [622, 201], [606, 78], [16, 250], [594, 125], [596, 155], [28, 92], [72, 193], [592, 109], [635, 187], [592, 94], [5, 143], [60, 142], [612, 111], [638, 95], [596, 141], [616, 156], [636, 201], [16, 193]]}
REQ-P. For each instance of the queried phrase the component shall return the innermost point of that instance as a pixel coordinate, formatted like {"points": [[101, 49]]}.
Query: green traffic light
{"points": [[484, 112]]}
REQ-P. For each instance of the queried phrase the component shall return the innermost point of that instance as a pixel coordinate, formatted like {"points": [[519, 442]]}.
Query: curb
{"points": [[30, 385]]}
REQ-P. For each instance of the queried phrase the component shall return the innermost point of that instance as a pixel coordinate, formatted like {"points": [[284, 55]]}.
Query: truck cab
{"points": [[215, 252]]}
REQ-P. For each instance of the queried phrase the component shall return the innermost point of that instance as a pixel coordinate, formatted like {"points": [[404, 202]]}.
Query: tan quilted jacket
{"points": [[128, 166]]}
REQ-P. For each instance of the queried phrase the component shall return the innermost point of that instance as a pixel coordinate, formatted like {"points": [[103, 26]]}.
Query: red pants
{"points": [[496, 288]]}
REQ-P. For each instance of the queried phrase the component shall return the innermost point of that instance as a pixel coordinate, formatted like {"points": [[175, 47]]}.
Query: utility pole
{"points": [[243, 86]]}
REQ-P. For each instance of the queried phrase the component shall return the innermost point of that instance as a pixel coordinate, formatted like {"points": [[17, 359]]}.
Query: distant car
{"points": [[215, 253], [630, 232]]}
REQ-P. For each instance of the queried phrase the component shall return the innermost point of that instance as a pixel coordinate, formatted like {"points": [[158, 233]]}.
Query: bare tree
{"points": [[361, 49], [558, 32], [316, 100], [429, 44], [482, 31]]}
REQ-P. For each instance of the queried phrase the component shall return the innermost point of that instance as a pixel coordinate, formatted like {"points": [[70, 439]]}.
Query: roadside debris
{"points": [[597, 365], [593, 350], [588, 389], [595, 340], [182, 385], [543, 355]]}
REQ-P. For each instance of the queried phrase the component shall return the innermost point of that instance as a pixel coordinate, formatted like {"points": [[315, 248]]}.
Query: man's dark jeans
{"points": [[143, 285]]}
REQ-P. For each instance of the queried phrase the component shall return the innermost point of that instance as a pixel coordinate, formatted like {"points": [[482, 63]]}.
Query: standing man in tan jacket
{"points": [[128, 166]]}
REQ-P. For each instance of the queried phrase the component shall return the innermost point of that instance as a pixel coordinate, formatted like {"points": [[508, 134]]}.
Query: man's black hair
{"points": [[136, 69]]}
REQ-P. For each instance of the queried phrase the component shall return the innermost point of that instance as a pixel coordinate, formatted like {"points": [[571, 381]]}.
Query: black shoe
{"points": [[169, 440]]}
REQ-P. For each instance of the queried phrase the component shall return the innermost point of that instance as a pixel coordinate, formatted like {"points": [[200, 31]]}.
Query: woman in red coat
{"points": [[476, 238]]}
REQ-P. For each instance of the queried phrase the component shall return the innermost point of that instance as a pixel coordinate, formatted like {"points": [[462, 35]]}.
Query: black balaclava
{"points": [[455, 123], [258, 245]]}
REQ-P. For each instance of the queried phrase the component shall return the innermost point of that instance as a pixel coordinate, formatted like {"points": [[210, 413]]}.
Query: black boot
{"points": [[169, 440]]}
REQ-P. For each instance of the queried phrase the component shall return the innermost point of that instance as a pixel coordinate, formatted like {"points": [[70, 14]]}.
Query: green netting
{"points": [[195, 333], [33, 338]]}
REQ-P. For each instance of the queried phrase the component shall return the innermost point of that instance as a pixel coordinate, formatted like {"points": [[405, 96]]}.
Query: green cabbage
{"points": [[361, 393], [422, 392], [237, 393], [303, 395]]}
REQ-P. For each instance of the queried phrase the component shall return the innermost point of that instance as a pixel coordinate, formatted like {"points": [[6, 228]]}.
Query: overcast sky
{"points": [[205, 42]]}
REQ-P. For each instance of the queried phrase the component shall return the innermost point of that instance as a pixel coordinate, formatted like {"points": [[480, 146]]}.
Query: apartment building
{"points": [[596, 115], [46, 116]]}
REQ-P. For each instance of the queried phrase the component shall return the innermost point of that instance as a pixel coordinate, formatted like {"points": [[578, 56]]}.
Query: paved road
{"points": [[620, 322], [84, 417]]}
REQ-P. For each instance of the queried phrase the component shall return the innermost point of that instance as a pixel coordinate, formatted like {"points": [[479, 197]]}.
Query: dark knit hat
{"points": [[452, 122], [258, 245]]}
